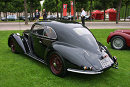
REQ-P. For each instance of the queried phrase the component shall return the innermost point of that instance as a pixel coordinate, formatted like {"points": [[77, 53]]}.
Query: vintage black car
{"points": [[63, 46]]}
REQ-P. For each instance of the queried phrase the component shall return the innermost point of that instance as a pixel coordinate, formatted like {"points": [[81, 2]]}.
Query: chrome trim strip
{"points": [[28, 45], [84, 71], [38, 59]]}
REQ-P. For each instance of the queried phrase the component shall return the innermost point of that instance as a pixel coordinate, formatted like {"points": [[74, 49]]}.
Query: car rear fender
{"points": [[79, 56], [18, 40], [73, 55]]}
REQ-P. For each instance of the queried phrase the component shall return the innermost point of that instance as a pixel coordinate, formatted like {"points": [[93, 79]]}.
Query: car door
{"points": [[36, 33], [42, 37], [49, 36]]}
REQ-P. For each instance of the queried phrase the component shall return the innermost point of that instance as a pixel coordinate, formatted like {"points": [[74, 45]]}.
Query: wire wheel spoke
{"points": [[12, 46], [118, 43], [56, 64]]}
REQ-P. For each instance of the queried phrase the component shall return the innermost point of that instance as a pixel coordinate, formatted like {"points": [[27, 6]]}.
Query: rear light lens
{"points": [[87, 68]]}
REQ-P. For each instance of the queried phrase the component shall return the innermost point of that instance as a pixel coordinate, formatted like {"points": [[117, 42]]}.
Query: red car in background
{"points": [[119, 39]]}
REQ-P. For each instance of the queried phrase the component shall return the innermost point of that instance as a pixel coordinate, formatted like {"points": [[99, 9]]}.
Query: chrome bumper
{"points": [[84, 71]]}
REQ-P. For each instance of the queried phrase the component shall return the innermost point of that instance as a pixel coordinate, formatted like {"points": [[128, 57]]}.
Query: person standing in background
{"points": [[83, 14], [37, 15], [44, 14]]}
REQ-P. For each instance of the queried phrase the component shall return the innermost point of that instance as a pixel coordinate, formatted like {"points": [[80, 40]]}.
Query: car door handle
{"points": [[40, 41]]}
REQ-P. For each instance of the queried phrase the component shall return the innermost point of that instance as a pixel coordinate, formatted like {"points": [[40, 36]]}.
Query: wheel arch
{"points": [[9, 39], [18, 40], [48, 54]]}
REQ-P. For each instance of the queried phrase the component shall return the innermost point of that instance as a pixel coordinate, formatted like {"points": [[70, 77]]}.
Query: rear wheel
{"points": [[118, 42], [56, 64]]}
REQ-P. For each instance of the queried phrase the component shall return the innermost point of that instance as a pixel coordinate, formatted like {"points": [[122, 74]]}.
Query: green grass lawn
{"points": [[18, 70], [13, 21]]}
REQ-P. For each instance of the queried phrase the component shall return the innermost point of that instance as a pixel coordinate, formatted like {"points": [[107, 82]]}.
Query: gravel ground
{"points": [[90, 25]]}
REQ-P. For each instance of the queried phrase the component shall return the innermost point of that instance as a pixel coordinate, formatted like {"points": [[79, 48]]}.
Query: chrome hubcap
{"points": [[118, 43], [54, 64]]}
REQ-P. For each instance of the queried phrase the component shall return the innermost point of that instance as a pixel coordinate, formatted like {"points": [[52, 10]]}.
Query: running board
{"points": [[36, 58], [30, 54]]}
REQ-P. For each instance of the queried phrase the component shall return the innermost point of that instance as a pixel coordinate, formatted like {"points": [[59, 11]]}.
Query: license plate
{"points": [[106, 62]]}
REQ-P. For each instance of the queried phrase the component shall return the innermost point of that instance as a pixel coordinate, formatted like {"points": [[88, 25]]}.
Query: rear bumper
{"points": [[84, 71]]}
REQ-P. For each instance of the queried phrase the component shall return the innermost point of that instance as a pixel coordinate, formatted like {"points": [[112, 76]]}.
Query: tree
{"points": [[62, 1], [91, 10], [126, 2], [118, 11], [54, 6], [74, 8], [1, 7], [32, 6], [25, 11], [4, 6], [11, 6], [50, 5], [57, 9], [16, 6]]}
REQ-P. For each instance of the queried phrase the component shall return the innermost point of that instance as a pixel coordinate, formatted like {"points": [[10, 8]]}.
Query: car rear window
{"points": [[82, 31]]}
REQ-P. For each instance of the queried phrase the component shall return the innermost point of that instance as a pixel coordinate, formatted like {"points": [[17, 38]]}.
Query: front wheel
{"points": [[57, 65], [118, 42], [13, 46]]}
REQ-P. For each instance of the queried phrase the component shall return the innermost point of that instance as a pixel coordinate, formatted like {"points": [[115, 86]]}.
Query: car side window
{"points": [[49, 32], [38, 29]]}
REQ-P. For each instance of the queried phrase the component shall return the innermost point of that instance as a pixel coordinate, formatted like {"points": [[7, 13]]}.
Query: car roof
{"points": [[62, 28], [60, 24]]}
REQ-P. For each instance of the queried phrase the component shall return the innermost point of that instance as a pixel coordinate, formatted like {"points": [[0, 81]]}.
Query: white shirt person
{"points": [[83, 14]]}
